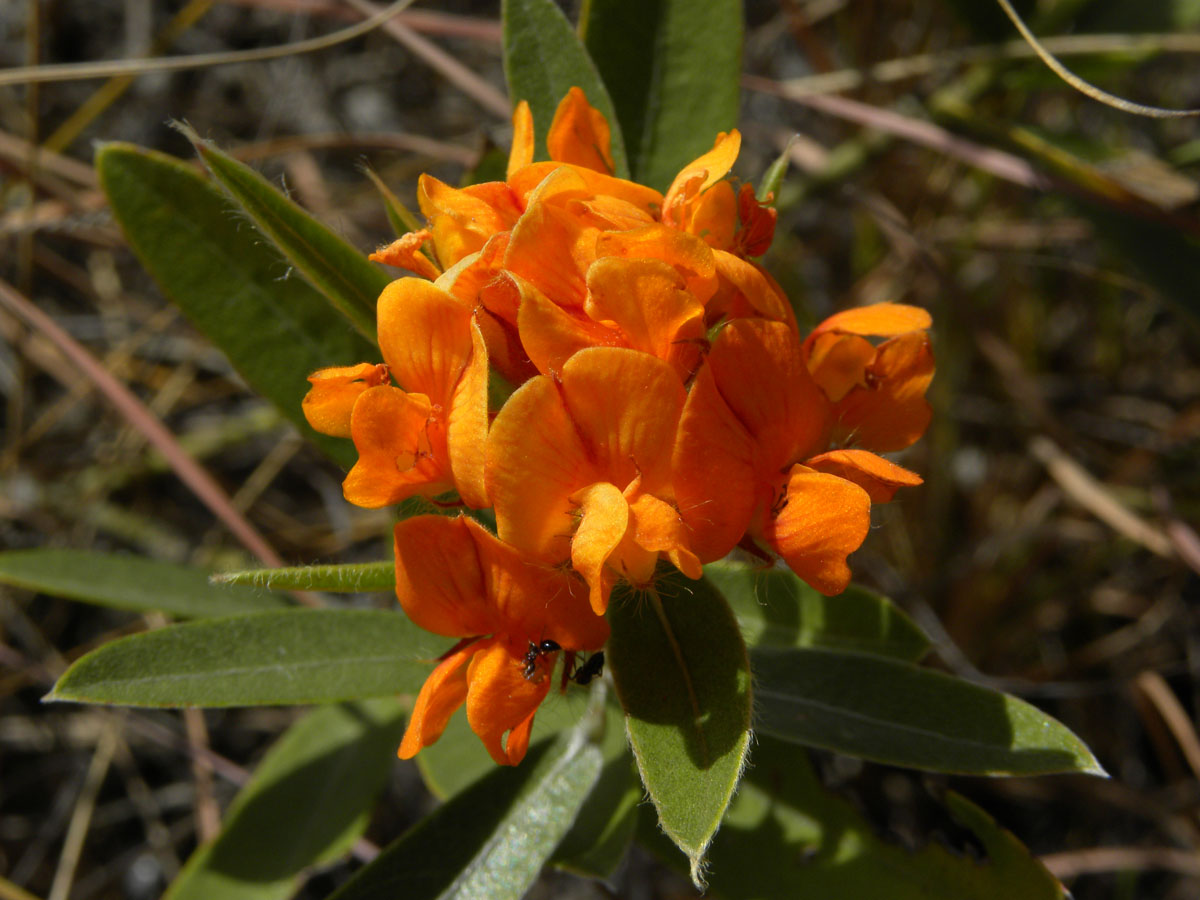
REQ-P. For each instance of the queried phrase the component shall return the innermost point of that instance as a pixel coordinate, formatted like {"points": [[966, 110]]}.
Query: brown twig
{"points": [[1115, 859], [202, 484]]}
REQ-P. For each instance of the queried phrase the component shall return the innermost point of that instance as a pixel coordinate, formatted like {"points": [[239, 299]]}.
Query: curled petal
{"points": [[330, 400], [467, 424], [824, 519], [890, 412], [551, 248], [405, 253], [521, 152], [714, 216], [398, 451], [689, 255], [551, 335], [699, 175], [838, 362], [462, 220], [658, 528], [604, 519], [500, 699], [443, 692], [874, 474], [745, 290], [597, 184], [879, 320], [716, 482], [425, 336], [580, 135]]}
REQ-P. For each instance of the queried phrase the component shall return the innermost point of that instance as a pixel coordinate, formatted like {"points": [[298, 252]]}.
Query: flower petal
{"points": [[874, 474], [551, 248], [687, 253], [648, 300], [526, 180], [698, 175], [879, 319], [890, 412], [580, 134], [714, 216], [825, 519], [441, 695], [521, 152], [405, 253], [604, 519], [716, 483], [462, 220], [626, 407], [467, 425], [760, 371], [501, 699], [441, 582], [745, 290], [838, 362], [425, 336], [330, 400], [551, 335], [657, 527], [398, 450]]}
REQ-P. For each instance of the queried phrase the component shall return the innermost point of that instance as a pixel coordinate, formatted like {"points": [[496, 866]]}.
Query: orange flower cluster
{"points": [[664, 407]]}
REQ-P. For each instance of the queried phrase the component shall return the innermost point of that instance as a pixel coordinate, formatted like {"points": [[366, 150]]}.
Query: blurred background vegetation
{"points": [[934, 162]]}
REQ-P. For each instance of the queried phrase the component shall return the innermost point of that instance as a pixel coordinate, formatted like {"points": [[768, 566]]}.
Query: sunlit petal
{"points": [[874, 474], [330, 400], [442, 694]]}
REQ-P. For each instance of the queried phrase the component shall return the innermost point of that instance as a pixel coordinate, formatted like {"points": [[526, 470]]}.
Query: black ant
{"points": [[534, 651], [591, 668]]}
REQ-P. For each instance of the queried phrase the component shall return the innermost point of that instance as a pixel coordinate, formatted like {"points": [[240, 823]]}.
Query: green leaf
{"points": [[309, 800], [786, 836], [231, 286], [682, 676], [399, 216], [491, 840], [776, 609], [347, 578], [768, 188], [895, 713], [543, 59], [293, 656], [129, 582], [597, 841], [673, 68], [350, 281]]}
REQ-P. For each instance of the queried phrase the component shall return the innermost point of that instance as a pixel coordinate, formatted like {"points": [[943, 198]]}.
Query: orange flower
{"points": [[754, 454], [580, 469], [455, 579], [426, 437]]}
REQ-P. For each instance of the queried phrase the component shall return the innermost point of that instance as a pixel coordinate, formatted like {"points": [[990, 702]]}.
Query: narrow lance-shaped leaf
{"points": [[309, 800], [768, 188], [673, 69], [776, 609], [339, 271], [899, 714], [490, 841], [786, 836], [543, 59], [271, 658], [228, 282], [399, 216], [345, 578], [130, 582], [683, 679]]}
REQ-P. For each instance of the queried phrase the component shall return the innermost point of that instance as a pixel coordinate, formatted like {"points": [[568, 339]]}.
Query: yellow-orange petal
{"points": [[405, 253], [551, 248], [824, 520], [425, 336], [330, 400], [687, 253], [658, 527], [838, 362], [890, 412], [713, 216], [649, 302], [467, 425], [700, 174], [441, 582], [879, 320], [528, 179], [461, 221], [604, 519], [396, 456], [500, 699], [715, 478], [745, 290], [879, 477], [521, 152], [626, 406], [580, 135], [441, 695], [760, 370], [535, 462], [551, 335]]}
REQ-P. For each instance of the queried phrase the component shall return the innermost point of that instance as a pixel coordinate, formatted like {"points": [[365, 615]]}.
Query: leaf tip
{"points": [[696, 869]]}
